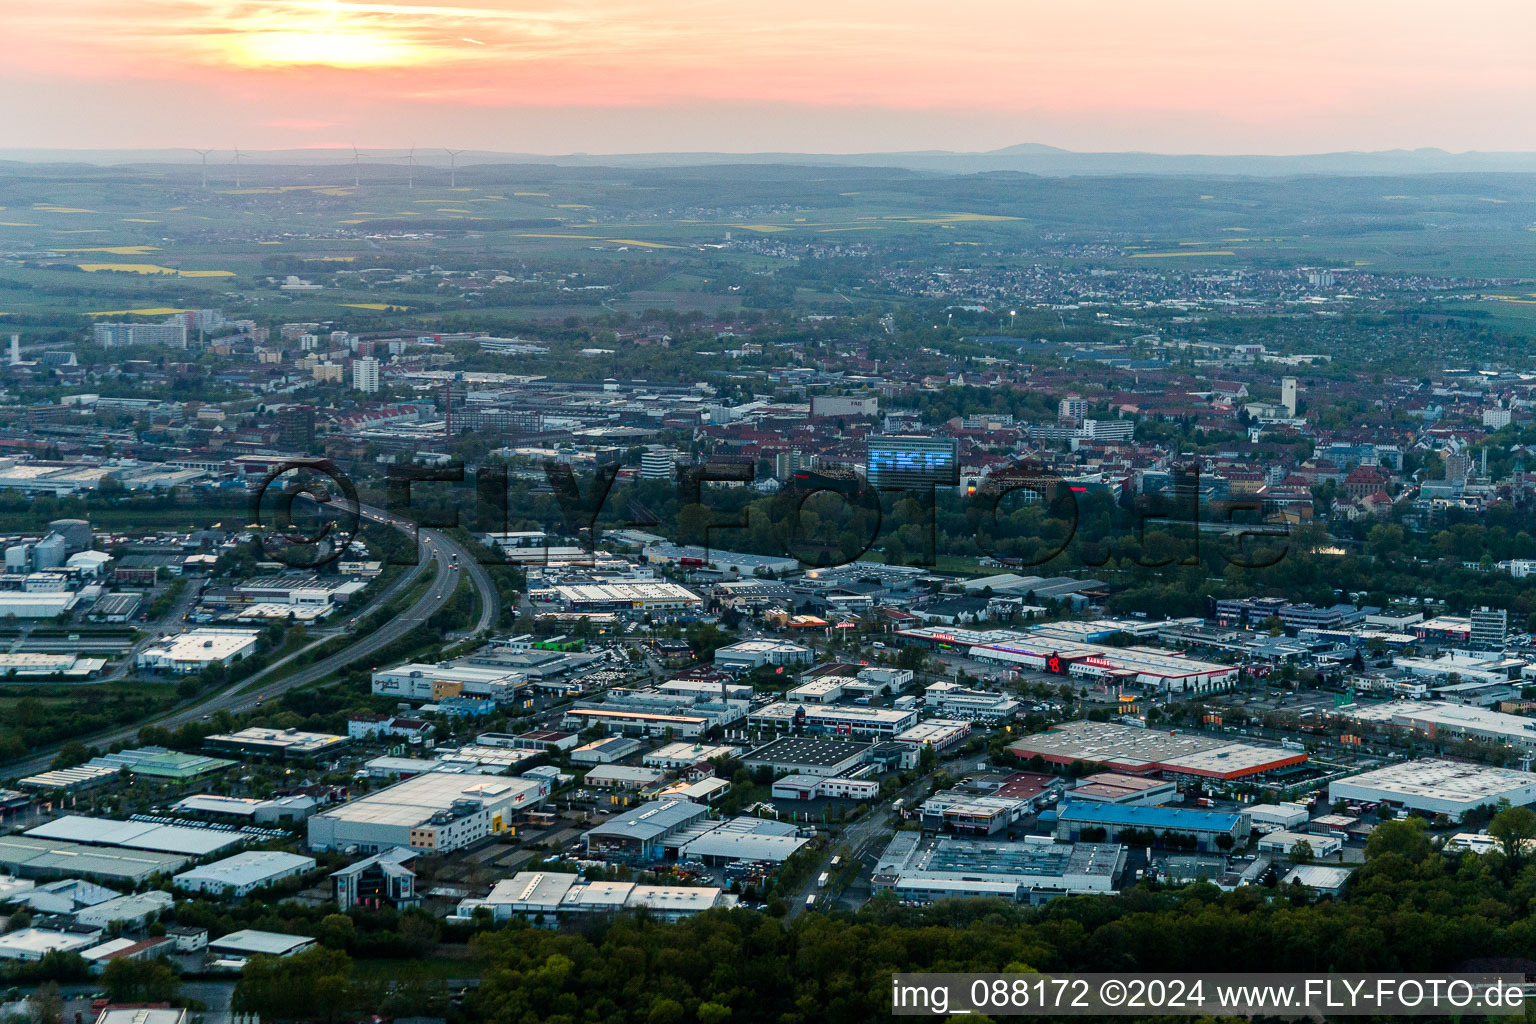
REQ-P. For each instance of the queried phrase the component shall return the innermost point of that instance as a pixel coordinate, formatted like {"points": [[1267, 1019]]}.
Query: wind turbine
{"points": [[411, 160], [356, 179], [238, 156], [453, 164], [204, 154]]}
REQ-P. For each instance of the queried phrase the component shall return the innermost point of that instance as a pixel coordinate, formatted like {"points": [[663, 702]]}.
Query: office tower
{"points": [[907, 460], [1489, 627], [658, 463]]}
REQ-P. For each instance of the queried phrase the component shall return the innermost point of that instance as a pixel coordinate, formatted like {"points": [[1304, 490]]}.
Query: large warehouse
{"points": [[1444, 720], [1147, 751], [137, 835], [244, 872], [808, 755], [1079, 820], [749, 654], [275, 743], [629, 595], [923, 870], [639, 833], [1046, 650], [189, 653], [1451, 788], [870, 723], [435, 811], [27, 857]]}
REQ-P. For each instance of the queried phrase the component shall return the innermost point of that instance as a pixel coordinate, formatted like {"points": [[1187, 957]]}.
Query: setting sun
{"points": [[345, 48]]}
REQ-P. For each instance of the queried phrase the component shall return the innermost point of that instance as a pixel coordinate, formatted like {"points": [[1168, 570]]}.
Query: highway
{"points": [[449, 560]]}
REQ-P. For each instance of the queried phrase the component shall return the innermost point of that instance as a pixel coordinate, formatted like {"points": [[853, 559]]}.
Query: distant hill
{"points": [[1025, 158]]}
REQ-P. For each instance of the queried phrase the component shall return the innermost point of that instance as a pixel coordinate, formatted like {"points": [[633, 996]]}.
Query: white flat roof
{"points": [[37, 941], [415, 800], [205, 644], [673, 897], [136, 835], [1446, 780], [245, 869], [537, 888], [251, 942]]}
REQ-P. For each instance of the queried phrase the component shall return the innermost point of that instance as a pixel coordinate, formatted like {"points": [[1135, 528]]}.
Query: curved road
{"points": [[447, 557]]}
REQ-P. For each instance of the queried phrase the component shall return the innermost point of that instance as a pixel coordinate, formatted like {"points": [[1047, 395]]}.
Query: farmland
{"points": [[546, 243]]}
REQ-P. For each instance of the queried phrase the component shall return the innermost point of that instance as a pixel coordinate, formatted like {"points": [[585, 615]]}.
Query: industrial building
{"points": [[1433, 786], [865, 722], [69, 780], [682, 755], [743, 840], [1126, 790], [638, 834], [1284, 841], [971, 813], [953, 701], [1275, 817], [808, 755], [137, 835], [818, 787], [243, 873], [712, 689], [192, 652], [551, 896], [46, 858], [622, 777], [733, 562], [1443, 720], [282, 810], [1049, 649], [248, 942], [1138, 751], [1326, 879], [920, 870], [1149, 668], [606, 751], [275, 743], [416, 681], [746, 655], [67, 896], [1075, 819], [631, 722], [131, 911], [160, 763], [629, 595], [32, 944], [435, 812], [939, 734]]}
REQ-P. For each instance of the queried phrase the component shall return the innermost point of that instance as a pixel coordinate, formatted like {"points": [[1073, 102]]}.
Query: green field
{"points": [[589, 241]]}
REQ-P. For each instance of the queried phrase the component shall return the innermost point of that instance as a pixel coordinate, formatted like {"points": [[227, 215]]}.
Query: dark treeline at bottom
{"points": [[1408, 909]]}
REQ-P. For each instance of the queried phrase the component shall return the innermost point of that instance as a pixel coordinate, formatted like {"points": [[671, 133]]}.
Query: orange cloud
{"points": [[1289, 67]]}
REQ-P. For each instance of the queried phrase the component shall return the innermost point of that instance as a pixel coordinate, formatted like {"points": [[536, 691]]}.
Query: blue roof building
{"points": [[1205, 828]]}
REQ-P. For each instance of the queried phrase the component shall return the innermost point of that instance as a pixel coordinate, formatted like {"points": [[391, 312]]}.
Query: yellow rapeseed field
{"points": [[152, 268], [116, 250]]}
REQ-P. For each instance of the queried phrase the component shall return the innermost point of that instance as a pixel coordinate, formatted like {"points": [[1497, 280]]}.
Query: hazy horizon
{"points": [[641, 77]]}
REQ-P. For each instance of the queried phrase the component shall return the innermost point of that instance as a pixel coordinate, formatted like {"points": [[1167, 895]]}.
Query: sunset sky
{"points": [[543, 76]]}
